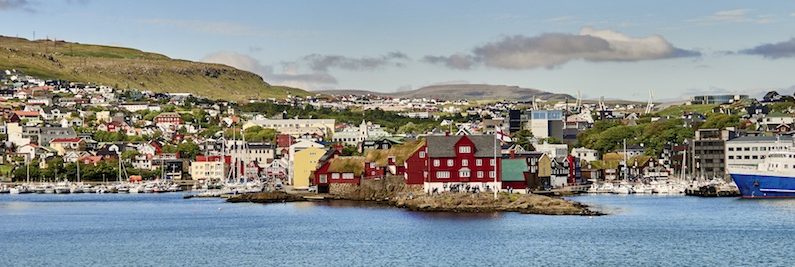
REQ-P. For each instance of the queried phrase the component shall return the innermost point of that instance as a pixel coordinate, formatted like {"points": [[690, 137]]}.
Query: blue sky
{"points": [[616, 49]]}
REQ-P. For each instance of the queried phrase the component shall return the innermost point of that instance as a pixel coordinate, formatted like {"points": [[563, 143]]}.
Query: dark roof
{"points": [[783, 138], [443, 146]]}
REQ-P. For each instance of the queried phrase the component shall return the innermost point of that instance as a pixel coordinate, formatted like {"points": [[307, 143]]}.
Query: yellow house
{"points": [[544, 166], [63, 145], [304, 163]]}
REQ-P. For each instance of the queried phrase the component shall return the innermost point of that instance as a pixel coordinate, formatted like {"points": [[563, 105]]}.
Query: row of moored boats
{"points": [[652, 187], [78, 188]]}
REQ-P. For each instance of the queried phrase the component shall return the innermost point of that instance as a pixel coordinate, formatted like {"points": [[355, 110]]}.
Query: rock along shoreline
{"points": [[444, 202]]}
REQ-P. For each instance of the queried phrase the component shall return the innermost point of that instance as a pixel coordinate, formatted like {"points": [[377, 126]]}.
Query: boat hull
{"points": [[764, 186]]}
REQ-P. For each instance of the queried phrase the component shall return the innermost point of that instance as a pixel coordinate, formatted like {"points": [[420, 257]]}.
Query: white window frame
{"points": [[464, 149], [464, 173], [450, 162], [422, 154], [443, 174], [436, 163], [335, 176], [464, 162], [479, 162], [480, 174], [347, 176]]}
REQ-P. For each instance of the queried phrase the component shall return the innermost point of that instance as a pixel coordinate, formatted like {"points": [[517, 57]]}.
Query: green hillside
{"points": [[130, 68]]}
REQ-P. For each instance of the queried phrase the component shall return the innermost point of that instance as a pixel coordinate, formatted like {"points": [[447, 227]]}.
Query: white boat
{"points": [[662, 189], [135, 189], [174, 188], [642, 189], [122, 188], [621, 189], [76, 189], [606, 188], [149, 188], [88, 188], [62, 188], [49, 189], [101, 189]]}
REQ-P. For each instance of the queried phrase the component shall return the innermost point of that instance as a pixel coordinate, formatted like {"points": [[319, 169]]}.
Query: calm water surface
{"points": [[164, 229]]}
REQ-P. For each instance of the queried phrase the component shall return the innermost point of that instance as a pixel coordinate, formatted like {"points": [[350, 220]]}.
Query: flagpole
{"points": [[495, 167]]}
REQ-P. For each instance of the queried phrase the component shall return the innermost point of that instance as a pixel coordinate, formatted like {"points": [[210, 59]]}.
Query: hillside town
{"points": [[63, 133]]}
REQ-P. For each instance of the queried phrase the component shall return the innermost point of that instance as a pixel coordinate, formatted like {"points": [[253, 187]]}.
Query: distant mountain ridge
{"points": [[132, 68], [462, 91]]}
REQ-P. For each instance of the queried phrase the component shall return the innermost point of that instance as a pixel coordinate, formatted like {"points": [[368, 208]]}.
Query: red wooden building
{"points": [[444, 161], [338, 170], [172, 118]]}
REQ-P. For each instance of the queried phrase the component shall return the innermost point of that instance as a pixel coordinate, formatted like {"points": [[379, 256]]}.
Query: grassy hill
{"points": [[131, 68]]}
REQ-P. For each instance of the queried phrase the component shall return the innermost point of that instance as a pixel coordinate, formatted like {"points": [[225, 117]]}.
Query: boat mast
{"points": [[118, 175], [626, 162], [27, 170], [684, 164]]}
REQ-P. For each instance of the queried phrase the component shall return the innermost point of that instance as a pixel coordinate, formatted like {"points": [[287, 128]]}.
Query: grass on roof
{"points": [[353, 165], [401, 152]]}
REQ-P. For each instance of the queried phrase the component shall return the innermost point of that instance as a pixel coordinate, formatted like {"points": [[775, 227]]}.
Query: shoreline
{"points": [[444, 202]]}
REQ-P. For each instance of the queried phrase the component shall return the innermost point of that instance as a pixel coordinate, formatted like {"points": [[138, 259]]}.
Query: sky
{"points": [[616, 49]]}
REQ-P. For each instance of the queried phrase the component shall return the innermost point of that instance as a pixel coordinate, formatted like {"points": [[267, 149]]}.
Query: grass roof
{"points": [[353, 165], [401, 152]]}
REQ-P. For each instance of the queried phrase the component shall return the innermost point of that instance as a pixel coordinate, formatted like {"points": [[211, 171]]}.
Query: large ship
{"points": [[773, 178]]}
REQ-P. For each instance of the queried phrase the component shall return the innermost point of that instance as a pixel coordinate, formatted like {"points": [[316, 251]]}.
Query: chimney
{"points": [[390, 161], [446, 133], [513, 154]]}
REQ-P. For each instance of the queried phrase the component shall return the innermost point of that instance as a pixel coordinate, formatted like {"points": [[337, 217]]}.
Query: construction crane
{"points": [[650, 104]]}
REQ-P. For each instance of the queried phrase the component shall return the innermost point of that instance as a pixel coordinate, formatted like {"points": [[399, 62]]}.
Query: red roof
{"points": [[201, 158], [23, 113], [66, 140]]}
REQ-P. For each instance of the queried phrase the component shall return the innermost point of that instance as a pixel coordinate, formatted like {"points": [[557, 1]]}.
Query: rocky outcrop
{"points": [[485, 202], [393, 191], [266, 197]]}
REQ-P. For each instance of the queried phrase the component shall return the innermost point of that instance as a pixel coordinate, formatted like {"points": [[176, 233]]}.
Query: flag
{"points": [[502, 136]]}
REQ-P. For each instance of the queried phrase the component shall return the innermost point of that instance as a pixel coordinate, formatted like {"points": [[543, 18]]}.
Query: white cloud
{"points": [[553, 49], [289, 76], [734, 16]]}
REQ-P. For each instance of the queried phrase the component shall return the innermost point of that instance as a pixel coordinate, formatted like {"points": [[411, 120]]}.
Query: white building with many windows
{"points": [[752, 150]]}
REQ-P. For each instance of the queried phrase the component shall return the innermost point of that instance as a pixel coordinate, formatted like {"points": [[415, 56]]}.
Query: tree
{"points": [[259, 134], [408, 128], [129, 154], [187, 149], [720, 121], [349, 150], [522, 138]]}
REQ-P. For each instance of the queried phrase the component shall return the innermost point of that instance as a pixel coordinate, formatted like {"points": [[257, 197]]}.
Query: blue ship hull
{"points": [[765, 186]]}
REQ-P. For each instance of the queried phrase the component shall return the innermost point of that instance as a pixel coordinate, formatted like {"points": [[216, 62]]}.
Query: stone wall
{"points": [[372, 189], [342, 189]]}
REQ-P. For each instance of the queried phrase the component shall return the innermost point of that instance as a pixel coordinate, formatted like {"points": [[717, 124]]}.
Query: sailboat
{"points": [[26, 187], [122, 187]]}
